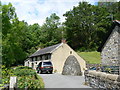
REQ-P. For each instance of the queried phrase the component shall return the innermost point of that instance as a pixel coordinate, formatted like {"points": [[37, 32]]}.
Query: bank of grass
{"points": [[91, 57]]}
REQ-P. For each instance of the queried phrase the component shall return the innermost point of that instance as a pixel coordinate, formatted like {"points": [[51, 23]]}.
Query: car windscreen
{"points": [[47, 63]]}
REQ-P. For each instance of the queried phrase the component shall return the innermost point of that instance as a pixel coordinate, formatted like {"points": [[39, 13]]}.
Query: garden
{"points": [[26, 77]]}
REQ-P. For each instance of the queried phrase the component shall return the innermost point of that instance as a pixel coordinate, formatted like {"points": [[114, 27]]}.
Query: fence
{"points": [[106, 69], [102, 80], [110, 69], [93, 66]]}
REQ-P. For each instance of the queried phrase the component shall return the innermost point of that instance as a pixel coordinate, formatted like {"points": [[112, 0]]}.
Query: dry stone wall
{"points": [[119, 49], [102, 80]]}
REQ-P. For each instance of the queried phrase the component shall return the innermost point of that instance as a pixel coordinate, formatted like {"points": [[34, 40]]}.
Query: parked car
{"points": [[45, 66], [92, 68]]}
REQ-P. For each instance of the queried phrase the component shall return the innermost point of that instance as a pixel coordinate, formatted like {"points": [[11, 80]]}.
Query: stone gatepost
{"points": [[13, 82]]}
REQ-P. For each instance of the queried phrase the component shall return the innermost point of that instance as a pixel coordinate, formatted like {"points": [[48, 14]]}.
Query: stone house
{"points": [[110, 50], [58, 54]]}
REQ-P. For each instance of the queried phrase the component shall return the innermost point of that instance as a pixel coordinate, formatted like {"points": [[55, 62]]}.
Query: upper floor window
{"points": [[49, 56], [46, 57], [38, 58]]}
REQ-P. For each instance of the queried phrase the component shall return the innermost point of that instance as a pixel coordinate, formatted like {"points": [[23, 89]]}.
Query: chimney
{"points": [[63, 41]]}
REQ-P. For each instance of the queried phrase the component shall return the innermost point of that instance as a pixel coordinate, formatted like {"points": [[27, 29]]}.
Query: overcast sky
{"points": [[36, 11]]}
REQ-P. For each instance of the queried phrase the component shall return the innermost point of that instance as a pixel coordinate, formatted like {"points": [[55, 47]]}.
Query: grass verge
{"points": [[91, 57]]}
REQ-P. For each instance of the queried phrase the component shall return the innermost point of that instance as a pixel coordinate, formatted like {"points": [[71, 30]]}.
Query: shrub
{"points": [[6, 73], [30, 82], [24, 72], [22, 67], [28, 78]]}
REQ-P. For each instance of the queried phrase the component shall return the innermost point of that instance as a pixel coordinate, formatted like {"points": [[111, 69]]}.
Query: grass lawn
{"points": [[91, 57]]}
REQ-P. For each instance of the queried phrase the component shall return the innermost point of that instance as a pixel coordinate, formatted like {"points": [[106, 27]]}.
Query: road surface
{"points": [[62, 81]]}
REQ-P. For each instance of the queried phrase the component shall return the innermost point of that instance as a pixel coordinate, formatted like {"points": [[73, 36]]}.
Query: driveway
{"points": [[62, 81]]}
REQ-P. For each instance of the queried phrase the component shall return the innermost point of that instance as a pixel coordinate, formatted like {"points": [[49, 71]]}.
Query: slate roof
{"points": [[45, 50], [115, 22]]}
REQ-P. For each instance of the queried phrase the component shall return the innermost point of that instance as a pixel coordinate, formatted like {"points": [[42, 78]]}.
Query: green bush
{"points": [[28, 78], [22, 67], [24, 72], [6, 73], [30, 82]]}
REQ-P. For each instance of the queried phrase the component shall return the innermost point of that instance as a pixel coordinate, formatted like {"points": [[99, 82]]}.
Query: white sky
{"points": [[36, 11]]}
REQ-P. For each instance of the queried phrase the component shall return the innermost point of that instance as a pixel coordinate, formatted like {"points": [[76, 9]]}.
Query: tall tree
{"points": [[112, 8], [83, 24], [8, 13], [51, 31], [13, 32]]}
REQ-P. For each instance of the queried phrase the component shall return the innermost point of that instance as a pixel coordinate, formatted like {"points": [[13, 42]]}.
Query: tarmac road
{"points": [[63, 81]]}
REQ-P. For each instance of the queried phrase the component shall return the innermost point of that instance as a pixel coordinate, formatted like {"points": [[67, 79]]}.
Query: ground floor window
{"points": [[32, 65]]}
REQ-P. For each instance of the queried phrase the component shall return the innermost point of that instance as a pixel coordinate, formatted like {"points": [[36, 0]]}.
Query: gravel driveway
{"points": [[62, 81]]}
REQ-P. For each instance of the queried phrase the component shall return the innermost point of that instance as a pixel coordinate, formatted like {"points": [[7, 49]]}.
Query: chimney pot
{"points": [[63, 40]]}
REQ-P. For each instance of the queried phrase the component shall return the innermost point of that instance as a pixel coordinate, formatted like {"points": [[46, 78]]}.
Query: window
{"points": [[34, 58], [32, 65], [47, 56], [43, 57], [70, 52], [47, 63], [28, 63], [38, 58]]}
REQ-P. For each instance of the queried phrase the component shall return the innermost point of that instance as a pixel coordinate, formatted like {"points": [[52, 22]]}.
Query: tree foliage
{"points": [[85, 28], [87, 25], [20, 39], [51, 30]]}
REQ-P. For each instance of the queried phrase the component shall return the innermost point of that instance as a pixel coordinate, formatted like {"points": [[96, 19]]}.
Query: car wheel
{"points": [[50, 72]]}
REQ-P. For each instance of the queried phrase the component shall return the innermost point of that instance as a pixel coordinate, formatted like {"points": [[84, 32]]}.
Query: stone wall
{"points": [[109, 54], [119, 49], [119, 44], [102, 80], [71, 67]]}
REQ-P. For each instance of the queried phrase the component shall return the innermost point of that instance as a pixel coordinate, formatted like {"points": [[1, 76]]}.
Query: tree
{"points": [[7, 15], [20, 39], [86, 26], [51, 31], [34, 32], [13, 32], [112, 8]]}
